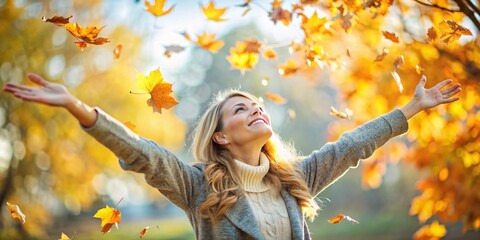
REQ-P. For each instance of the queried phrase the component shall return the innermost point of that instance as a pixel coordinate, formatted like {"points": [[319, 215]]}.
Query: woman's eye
{"points": [[261, 109], [238, 109]]}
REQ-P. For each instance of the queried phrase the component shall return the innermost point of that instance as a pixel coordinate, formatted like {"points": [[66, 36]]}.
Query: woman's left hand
{"points": [[428, 98]]}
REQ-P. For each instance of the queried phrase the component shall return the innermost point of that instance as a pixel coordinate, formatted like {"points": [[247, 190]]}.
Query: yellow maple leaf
{"points": [[208, 42], [157, 8], [64, 237], [213, 13], [435, 231], [85, 35], [450, 31], [244, 55], [159, 90], [288, 69], [16, 212], [269, 53], [109, 216], [315, 27]]}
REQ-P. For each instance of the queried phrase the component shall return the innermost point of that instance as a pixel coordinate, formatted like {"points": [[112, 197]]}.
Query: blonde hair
{"points": [[220, 171]]}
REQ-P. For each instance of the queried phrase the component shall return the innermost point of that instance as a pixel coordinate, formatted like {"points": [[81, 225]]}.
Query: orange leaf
{"points": [[208, 42], [57, 20], [391, 36], [279, 14], [159, 90], [435, 231], [117, 51], [288, 69], [157, 8], [86, 35], [340, 217], [347, 114], [451, 31], [419, 70], [244, 55], [276, 98], [398, 62], [144, 230], [109, 216], [269, 54], [131, 126], [212, 13], [382, 56], [16, 212]]}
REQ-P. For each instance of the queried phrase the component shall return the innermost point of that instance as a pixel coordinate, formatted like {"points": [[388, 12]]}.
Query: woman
{"points": [[246, 184]]}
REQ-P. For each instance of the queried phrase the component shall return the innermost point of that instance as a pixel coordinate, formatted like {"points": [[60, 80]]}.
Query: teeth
{"points": [[257, 121]]}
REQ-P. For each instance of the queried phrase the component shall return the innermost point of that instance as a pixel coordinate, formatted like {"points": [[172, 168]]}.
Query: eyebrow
{"points": [[243, 104]]}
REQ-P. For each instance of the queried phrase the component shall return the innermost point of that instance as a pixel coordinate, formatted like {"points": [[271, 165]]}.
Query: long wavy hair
{"points": [[221, 173]]}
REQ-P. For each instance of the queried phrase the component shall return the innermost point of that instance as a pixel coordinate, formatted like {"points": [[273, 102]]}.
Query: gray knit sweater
{"points": [[185, 186]]}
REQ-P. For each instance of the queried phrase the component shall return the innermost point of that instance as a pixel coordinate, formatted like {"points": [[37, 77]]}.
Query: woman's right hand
{"points": [[49, 93]]}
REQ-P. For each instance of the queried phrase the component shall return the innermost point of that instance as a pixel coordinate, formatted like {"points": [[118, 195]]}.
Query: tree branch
{"points": [[470, 14], [473, 7], [437, 6]]}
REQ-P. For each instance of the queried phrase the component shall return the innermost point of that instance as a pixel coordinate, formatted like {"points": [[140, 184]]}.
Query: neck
{"points": [[247, 154]]}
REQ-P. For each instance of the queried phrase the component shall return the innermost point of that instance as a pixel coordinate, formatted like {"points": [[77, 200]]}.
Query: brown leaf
{"points": [[144, 230], [380, 57], [451, 31], [391, 36], [57, 20], [117, 51], [280, 14], [86, 35], [398, 62], [431, 35]]}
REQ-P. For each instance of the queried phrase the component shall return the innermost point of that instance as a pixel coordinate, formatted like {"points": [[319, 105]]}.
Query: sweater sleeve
{"points": [[324, 166], [163, 170]]}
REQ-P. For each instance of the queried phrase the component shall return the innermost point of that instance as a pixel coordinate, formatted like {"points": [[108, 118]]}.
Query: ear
{"points": [[219, 138]]}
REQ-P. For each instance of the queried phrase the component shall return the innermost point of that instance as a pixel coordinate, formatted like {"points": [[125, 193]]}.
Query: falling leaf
{"points": [[451, 31], [291, 114], [131, 126], [288, 69], [398, 62], [157, 8], [172, 49], [159, 90], [269, 53], [347, 21], [340, 217], [64, 237], [86, 35], [348, 53], [391, 36], [208, 42], [295, 47], [280, 14], [315, 28], [244, 55], [431, 35], [117, 51], [57, 20], [246, 11], [109, 216], [347, 114], [419, 70], [435, 231], [185, 34], [398, 81], [144, 230], [276, 98], [16, 212], [382, 55], [213, 13]]}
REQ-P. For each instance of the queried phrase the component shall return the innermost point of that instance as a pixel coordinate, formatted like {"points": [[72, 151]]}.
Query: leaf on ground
{"points": [[159, 90], [212, 13], [340, 217], [157, 8], [16, 212], [109, 216], [57, 20]]}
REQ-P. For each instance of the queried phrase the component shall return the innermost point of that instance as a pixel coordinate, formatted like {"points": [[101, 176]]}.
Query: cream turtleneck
{"points": [[266, 202]]}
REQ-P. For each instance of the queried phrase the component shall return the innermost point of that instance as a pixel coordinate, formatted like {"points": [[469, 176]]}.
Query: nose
{"points": [[257, 111]]}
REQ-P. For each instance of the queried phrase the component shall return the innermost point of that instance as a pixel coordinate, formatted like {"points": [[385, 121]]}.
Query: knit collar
{"points": [[252, 176]]}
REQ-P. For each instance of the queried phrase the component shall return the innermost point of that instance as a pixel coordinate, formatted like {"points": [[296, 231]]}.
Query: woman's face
{"points": [[245, 122]]}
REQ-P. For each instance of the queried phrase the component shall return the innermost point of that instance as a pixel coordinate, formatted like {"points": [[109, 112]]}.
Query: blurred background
{"points": [[59, 176]]}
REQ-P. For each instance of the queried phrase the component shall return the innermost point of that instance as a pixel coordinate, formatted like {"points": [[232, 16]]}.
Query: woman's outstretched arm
{"points": [[53, 94], [327, 164]]}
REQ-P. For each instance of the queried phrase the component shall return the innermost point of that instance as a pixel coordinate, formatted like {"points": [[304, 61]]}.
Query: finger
{"points": [[451, 100], [451, 93], [442, 84], [423, 80], [16, 86], [37, 79], [450, 89]]}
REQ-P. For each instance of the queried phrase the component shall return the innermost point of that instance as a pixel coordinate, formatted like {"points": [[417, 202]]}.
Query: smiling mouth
{"points": [[258, 121]]}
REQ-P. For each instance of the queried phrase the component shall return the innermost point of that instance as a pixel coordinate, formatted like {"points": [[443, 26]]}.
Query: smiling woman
{"points": [[245, 178]]}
